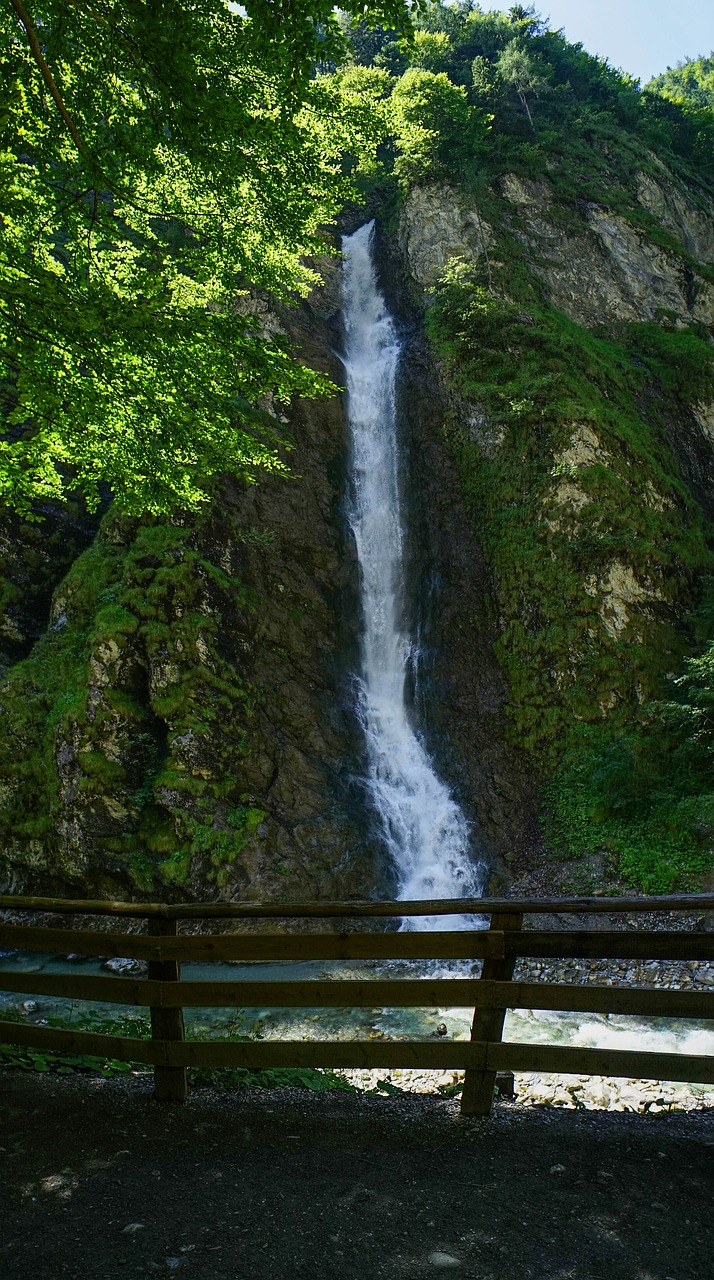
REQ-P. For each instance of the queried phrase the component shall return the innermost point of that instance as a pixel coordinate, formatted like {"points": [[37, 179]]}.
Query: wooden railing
{"points": [[490, 995]]}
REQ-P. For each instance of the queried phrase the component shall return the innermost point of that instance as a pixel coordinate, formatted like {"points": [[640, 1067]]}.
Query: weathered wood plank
{"points": [[75, 986], [642, 944], [422, 1055], [322, 910], [398, 993], [83, 906], [645, 1002], [487, 1024], [87, 942], [258, 947], [167, 1022], [60, 1040], [418, 1054], [356, 994], [423, 993], [645, 944], [572, 1060], [335, 946]]}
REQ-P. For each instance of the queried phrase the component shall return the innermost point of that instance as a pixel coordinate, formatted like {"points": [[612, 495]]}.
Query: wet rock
{"points": [[125, 967]]}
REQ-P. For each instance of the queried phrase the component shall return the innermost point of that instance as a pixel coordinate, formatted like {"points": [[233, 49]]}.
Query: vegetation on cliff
{"points": [[110, 716], [166, 168], [690, 81], [584, 501]]}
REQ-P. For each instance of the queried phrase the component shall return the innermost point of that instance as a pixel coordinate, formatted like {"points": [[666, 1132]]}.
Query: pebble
{"points": [[666, 975], [584, 1093], [444, 1260]]}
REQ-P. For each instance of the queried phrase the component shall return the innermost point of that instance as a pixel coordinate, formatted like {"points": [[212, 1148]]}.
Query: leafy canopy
{"points": [[548, 97], [162, 162], [690, 81]]}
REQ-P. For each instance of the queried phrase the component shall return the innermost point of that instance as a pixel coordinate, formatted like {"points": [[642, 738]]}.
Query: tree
{"points": [[692, 80], [162, 162], [430, 50], [433, 125], [518, 67]]}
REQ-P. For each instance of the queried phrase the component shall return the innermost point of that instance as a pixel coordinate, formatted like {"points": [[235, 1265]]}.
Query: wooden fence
{"points": [[490, 995]]}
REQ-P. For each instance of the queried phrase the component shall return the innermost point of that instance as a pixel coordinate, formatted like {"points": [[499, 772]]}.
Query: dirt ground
{"points": [[101, 1183]]}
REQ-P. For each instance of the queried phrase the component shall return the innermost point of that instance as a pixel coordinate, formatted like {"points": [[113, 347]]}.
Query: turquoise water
{"points": [[530, 1026]]}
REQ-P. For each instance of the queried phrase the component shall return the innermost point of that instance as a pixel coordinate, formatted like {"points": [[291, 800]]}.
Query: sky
{"points": [[642, 37]]}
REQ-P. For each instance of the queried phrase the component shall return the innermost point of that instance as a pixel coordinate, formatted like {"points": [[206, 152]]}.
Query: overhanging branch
{"points": [[32, 36]]}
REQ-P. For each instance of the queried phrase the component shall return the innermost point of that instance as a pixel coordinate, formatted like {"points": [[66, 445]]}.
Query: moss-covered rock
{"points": [[177, 728], [577, 348]]}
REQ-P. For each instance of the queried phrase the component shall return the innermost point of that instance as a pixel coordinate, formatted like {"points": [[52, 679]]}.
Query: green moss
{"points": [[98, 769], [141, 600], [554, 523], [537, 377]]}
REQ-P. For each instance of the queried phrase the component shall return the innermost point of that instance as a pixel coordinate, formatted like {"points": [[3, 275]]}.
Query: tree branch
{"points": [[32, 36]]}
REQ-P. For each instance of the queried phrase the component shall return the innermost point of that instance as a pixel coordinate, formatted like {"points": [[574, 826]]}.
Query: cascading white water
{"points": [[425, 830]]}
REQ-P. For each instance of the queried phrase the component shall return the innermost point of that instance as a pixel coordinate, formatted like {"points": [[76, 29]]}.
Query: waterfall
{"points": [[425, 831]]}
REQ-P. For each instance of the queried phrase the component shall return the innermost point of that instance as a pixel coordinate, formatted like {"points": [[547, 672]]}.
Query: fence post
{"points": [[487, 1025], [166, 1024]]}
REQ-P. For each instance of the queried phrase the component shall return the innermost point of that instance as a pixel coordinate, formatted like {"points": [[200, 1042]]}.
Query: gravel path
{"points": [[100, 1183]]}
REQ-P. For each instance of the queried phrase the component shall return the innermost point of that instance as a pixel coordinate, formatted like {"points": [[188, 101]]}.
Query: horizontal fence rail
{"points": [[327, 910], [490, 995]]}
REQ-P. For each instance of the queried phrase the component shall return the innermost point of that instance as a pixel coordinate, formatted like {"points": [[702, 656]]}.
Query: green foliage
{"points": [[590, 118], [429, 51], [158, 165], [312, 1078], [434, 127], [628, 797], [61, 1064], [690, 81], [517, 66]]}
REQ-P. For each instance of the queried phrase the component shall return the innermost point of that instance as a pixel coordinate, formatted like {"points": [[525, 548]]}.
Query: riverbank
{"points": [[100, 1183], [572, 1093]]}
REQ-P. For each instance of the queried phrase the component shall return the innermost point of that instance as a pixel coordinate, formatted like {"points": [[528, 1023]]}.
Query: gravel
{"points": [[100, 1183]]}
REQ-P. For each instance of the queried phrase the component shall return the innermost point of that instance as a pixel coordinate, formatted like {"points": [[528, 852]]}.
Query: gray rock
{"points": [[125, 966]]}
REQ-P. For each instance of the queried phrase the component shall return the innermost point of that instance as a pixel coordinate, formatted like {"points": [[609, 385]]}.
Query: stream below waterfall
{"points": [[524, 1026]]}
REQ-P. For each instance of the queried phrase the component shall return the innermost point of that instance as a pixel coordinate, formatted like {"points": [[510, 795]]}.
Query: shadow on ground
{"points": [[101, 1183]]}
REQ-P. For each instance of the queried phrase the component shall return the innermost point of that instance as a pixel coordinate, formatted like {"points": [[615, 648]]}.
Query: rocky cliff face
{"points": [[598, 266], [182, 724], [588, 464], [176, 712]]}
